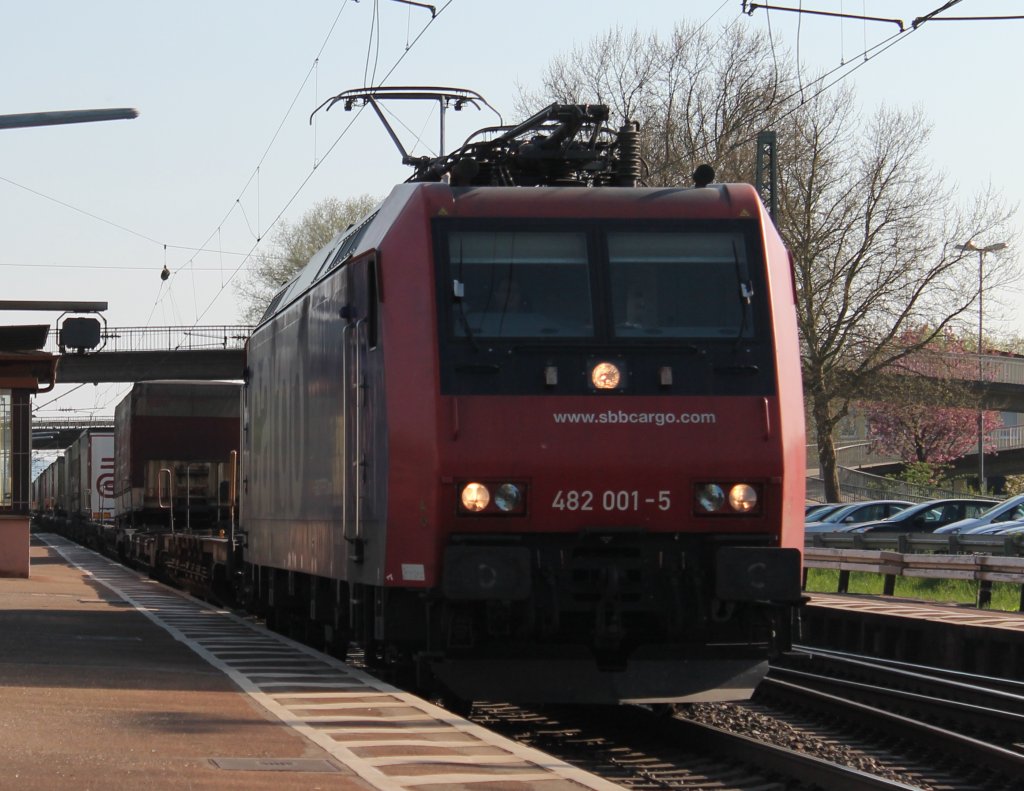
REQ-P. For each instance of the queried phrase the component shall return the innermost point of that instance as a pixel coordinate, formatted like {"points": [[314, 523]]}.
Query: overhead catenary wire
{"points": [[327, 153], [100, 218], [869, 54], [257, 234], [309, 175], [226, 281], [266, 152]]}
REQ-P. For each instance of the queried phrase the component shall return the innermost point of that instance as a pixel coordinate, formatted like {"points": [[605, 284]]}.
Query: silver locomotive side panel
{"points": [[302, 494]]}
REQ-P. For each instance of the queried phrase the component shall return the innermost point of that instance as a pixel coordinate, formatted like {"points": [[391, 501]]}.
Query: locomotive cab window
{"points": [[679, 285], [532, 305], [511, 284]]}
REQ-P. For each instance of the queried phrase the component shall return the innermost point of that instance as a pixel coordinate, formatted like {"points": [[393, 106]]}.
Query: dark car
{"points": [[855, 514], [925, 517]]}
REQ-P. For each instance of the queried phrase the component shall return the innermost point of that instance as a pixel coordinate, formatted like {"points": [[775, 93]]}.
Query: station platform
{"points": [[95, 696], [952, 636], [109, 681]]}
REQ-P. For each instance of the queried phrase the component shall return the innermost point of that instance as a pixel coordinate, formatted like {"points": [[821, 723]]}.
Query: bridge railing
{"points": [[1007, 370], [1008, 437], [860, 454], [851, 454], [156, 339], [994, 368], [855, 486]]}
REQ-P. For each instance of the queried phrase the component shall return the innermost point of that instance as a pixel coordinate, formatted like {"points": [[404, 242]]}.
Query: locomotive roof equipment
{"points": [[562, 145]]}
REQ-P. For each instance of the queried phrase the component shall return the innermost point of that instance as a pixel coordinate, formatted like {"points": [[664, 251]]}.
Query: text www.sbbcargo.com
{"points": [[621, 417]]}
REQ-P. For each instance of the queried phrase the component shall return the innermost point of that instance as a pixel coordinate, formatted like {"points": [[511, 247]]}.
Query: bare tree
{"points": [[620, 69], [872, 226], [873, 230], [699, 96], [293, 246]]}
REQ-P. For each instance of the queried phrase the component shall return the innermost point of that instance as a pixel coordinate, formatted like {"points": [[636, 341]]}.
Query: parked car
{"points": [[856, 513], [925, 517], [994, 529], [815, 512], [1010, 528], [1007, 511]]}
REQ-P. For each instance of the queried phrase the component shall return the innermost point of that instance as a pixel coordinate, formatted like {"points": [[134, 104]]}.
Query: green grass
{"points": [[1005, 595]]}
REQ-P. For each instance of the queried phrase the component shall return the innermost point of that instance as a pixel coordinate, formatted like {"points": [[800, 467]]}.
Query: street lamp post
{"points": [[991, 248]]}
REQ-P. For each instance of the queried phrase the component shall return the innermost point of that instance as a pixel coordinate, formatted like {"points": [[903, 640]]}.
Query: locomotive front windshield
{"points": [[624, 284], [677, 285], [521, 284]]}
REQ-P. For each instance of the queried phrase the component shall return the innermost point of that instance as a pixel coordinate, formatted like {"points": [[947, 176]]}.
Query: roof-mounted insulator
{"points": [[628, 168]]}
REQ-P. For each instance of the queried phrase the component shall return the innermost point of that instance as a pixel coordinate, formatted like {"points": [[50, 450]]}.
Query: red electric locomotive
{"points": [[535, 432]]}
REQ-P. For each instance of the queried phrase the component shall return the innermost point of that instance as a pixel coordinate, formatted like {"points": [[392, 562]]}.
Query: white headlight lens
{"points": [[508, 497], [475, 497], [605, 376], [742, 498], [710, 498]]}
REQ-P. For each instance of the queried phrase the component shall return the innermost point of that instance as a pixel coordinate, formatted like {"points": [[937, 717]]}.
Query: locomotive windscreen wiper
{"points": [[458, 292], [458, 297], [746, 290]]}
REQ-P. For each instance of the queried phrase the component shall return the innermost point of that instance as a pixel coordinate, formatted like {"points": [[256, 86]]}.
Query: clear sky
{"points": [[223, 146]]}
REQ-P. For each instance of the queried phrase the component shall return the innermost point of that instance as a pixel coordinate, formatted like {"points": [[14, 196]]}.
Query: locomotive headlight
{"points": [[495, 497], [606, 376], [743, 498], [475, 497], [508, 497], [710, 498], [726, 499]]}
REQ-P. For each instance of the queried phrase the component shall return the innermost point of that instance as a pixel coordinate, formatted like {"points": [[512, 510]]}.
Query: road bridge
{"points": [[997, 380]]}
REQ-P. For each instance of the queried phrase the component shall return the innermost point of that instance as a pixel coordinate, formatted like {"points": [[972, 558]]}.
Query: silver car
{"points": [[1007, 511]]}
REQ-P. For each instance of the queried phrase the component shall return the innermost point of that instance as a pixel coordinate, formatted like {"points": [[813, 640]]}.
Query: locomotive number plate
{"points": [[610, 500]]}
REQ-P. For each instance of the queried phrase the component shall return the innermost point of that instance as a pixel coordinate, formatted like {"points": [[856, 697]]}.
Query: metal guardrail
{"points": [[156, 339], [919, 543]]}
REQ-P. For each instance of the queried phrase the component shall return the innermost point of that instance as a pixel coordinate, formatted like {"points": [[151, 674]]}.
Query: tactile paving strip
{"points": [[390, 738]]}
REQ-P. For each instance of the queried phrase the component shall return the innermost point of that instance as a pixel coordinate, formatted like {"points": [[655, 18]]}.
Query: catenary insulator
{"points": [[628, 171]]}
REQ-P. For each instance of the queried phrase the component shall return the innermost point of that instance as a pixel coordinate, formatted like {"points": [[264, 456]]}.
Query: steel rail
{"points": [[781, 760], [972, 752]]}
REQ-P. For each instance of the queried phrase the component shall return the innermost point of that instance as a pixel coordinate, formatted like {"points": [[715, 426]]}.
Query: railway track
{"points": [[939, 730], [638, 749], [974, 706]]}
